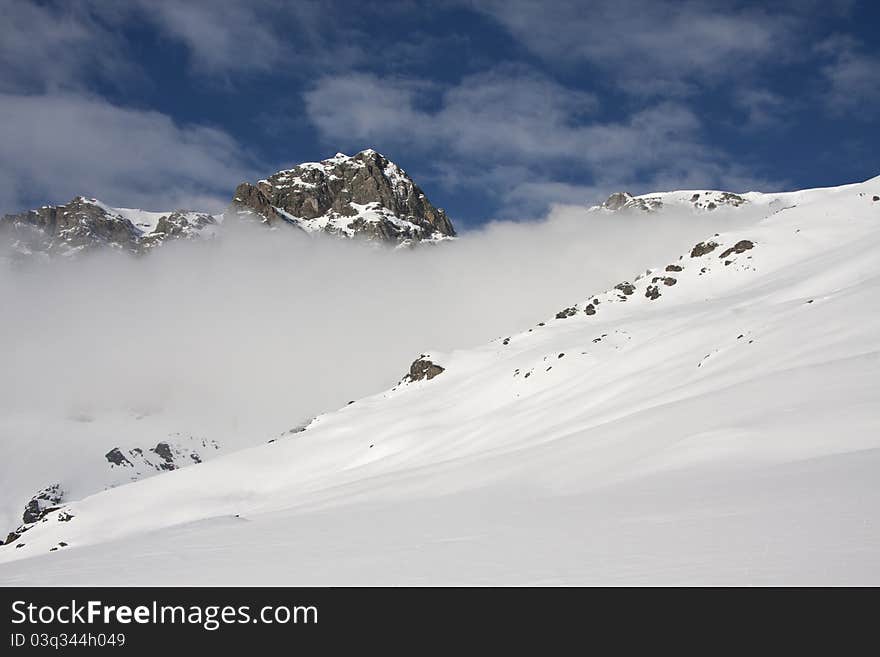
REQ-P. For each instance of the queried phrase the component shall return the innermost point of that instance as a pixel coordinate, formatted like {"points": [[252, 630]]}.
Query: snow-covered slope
{"points": [[83, 453], [711, 420]]}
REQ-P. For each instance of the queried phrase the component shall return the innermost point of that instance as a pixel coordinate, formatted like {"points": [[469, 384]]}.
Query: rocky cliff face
{"points": [[364, 195], [86, 223]]}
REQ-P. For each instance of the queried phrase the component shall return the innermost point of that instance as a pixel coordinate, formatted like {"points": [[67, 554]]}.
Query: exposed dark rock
{"points": [[739, 247], [669, 281], [702, 248], [565, 313], [625, 287], [673, 267], [423, 369], [652, 292], [164, 450], [44, 502], [178, 224], [711, 200], [116, 457], [617, 200], [876, 198], [729, 198], [626, 201], [590, 309]]}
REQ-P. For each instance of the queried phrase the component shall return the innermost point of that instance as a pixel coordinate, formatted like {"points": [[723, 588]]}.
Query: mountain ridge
{"points": [[364, 196]]}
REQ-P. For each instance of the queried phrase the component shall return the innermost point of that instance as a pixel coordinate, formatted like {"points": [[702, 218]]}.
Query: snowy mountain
{"points": [[712, 419], [87, 223], [364, 195]]}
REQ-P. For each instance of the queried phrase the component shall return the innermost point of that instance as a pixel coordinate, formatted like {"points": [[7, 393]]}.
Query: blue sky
{"points": [[497, 108]]}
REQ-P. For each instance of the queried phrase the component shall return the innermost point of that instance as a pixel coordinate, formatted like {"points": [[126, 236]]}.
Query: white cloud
{"points": [[763, 108], [51, 47], [219, 36], [316, 322], [224, 39], [508, 111], [851, 77], [512, 129], [648, 47], [56, 146]]}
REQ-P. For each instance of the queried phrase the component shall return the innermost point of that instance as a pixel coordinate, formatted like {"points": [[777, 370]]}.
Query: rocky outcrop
{"points": [[740, 247], [86, 224], [116, 458], [165, 456], [422, 368], [703, 201], [179, 225], [565, 313], [626, 201], [81, 223], [47, 500], [364, 195], [617, 200], [702, 248]]}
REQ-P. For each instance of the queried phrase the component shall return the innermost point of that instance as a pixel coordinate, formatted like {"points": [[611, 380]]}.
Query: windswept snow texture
{"points": [[710, 421]]}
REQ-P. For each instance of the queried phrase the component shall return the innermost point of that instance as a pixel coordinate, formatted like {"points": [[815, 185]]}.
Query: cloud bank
{"points": [[261, 329]]}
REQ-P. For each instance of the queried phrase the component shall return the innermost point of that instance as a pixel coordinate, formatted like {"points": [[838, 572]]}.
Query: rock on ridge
{"points": [[701, 200]]}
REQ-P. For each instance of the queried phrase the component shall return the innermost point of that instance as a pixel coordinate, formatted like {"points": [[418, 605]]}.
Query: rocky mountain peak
{"points": [[85, 223], [363, 195]]}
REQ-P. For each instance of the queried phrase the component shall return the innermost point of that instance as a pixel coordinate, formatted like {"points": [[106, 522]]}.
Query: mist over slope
{"points": [[242, 337], [711, 419]]}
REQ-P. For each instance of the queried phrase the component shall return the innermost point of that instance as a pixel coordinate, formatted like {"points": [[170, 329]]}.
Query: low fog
{"points": [[259, 330]]}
